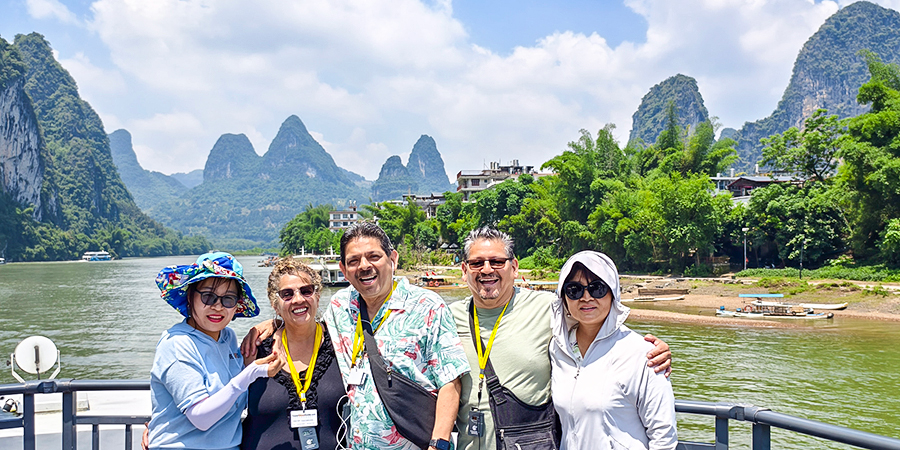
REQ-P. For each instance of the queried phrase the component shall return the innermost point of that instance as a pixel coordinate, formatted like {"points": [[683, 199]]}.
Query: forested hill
{"points": [[149, 189], [245, 198], [423, 174], [650, 118], [53, 139], [827, 73]]}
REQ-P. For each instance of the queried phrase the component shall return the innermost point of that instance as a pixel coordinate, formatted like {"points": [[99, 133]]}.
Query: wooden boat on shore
{"points": [[538, 285], [654, 299], [436, 282], [814, 306], [661, 292], [773, 312]]}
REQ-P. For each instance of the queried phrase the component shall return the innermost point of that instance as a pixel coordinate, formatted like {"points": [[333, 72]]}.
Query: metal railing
{"points": [[70, 416], [762, 419]]}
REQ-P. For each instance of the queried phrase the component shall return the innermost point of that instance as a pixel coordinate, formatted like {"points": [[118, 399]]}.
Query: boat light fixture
{"points": [[36, 355]]}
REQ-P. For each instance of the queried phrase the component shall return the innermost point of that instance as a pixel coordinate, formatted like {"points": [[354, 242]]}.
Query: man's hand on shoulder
{"points": [[660, 357], [254, 338]]}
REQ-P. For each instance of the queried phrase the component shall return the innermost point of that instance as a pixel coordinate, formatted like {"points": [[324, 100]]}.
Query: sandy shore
{"points": [[706, 304], [866, 300]]}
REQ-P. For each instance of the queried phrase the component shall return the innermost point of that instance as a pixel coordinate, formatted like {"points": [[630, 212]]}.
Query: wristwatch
{"points": [[440, 444]]}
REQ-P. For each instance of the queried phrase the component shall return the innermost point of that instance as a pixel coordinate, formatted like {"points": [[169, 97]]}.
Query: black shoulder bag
{"points": [[408, 404], [518, 425]]}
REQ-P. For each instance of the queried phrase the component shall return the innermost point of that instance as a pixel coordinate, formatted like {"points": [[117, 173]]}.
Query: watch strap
{"points": [[440, 444]]}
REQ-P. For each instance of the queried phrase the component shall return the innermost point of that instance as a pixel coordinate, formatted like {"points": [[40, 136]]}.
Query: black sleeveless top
{"points": [[268, 424]]}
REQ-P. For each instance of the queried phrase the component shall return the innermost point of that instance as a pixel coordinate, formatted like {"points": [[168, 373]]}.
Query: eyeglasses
{"points": [[209, 299], [288, 294], [575, 291], [495, 263]]}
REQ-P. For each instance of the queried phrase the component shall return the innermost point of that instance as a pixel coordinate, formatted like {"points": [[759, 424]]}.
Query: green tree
{"points": [[869, 180], [797, 219], [810, 153], [578, 168], [304, 231]]}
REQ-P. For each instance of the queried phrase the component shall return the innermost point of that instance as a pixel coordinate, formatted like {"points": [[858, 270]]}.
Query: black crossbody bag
{"points": [[517, 425], [408, 404]]}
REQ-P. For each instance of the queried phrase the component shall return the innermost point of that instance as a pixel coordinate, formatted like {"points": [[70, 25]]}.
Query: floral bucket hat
{"points": [[173, 281]]}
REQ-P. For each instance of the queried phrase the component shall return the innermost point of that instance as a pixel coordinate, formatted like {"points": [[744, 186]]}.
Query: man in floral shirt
{"points": [[415, 333]]}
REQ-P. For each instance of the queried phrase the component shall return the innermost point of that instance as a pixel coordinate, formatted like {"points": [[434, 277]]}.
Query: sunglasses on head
{"points": [[498, 263], [575, 291], [305, 291], [209, 298]]}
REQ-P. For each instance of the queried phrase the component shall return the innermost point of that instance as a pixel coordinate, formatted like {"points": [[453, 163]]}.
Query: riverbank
{"points": [[866, 300]]}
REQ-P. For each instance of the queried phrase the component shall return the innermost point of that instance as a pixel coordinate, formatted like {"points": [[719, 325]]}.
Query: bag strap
{"points": [[490, 377], [375, 359], [416, 427]]}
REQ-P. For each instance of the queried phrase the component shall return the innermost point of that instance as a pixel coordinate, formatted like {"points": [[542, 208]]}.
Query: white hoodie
{"points": [[610, 399]]}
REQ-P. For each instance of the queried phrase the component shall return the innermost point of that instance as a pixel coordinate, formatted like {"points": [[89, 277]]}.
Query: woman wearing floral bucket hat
{"points": [[198, 383]]}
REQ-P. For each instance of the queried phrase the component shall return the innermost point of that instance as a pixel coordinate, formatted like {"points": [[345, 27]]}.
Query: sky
{"points": [[488, 80]]}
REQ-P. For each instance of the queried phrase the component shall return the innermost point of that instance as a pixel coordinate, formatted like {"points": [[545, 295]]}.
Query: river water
{"points": [[105, 318]]}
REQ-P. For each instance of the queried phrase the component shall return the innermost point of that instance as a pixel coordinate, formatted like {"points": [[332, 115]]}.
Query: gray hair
{"points": [[489, 234]]}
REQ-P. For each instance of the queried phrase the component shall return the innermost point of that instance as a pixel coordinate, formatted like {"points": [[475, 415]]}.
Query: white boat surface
{"points": [[96, 256], [772, 315], [654, 299], [827, 306]]}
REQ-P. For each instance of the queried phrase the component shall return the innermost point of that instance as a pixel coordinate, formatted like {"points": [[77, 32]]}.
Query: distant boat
{"points": [[538, 285], [828, 306], [654, 299], [329, 270], [773, 312], [657, 292], [96, 256], [436, 282]]}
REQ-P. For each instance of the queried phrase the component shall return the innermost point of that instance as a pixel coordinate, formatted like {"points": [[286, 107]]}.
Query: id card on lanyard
{"points": [[357, 376], [475, 425], [304, 420]]}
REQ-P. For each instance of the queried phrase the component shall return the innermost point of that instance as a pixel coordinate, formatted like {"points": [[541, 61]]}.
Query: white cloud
{"points": [[373, 76], [102, 81], [50, 9]]}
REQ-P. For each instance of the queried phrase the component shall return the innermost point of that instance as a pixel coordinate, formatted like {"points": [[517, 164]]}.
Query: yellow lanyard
{"points": [[307, 378], [358, 338], [484, 353]]}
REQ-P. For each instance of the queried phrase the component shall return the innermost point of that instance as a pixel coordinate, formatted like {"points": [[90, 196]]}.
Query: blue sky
{"points": [[490, 81]]}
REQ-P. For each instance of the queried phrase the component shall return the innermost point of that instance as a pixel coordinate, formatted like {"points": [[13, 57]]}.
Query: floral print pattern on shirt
{"points": [[418, 339]]}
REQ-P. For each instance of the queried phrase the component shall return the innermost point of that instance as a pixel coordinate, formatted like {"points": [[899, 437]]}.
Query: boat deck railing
{"points": [[762, 419]]}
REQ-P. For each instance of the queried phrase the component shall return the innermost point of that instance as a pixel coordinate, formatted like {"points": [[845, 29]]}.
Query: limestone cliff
{"points": [[827, 73], [393, 181], [423, 174], [426, 167], [21, 165], [149, 189], [650, 118]]}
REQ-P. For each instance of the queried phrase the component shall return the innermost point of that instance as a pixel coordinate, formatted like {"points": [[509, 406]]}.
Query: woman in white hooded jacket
{"points": [[603, 391]]}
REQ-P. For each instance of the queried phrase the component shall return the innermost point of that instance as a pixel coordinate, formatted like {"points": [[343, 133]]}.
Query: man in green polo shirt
{"points": [[517, 346]]}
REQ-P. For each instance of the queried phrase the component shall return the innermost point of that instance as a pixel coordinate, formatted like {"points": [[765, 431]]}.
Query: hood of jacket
{"points": [[602, 266]]}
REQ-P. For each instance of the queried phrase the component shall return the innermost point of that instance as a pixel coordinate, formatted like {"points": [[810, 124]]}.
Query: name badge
{"points": [[475, 425], [357, 376], [308, 438], [301, 419]]}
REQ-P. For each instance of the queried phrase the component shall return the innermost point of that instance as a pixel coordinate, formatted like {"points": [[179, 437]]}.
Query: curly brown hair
{"points": [[290, 266]]}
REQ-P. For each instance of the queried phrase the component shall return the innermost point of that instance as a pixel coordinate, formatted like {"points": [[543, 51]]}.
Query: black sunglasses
{"points": [[495, 263], [210, 299], [575, 291], [288, 294]]}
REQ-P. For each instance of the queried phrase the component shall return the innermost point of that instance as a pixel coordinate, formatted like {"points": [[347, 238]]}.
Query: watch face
{"points": [[440, 444]]}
